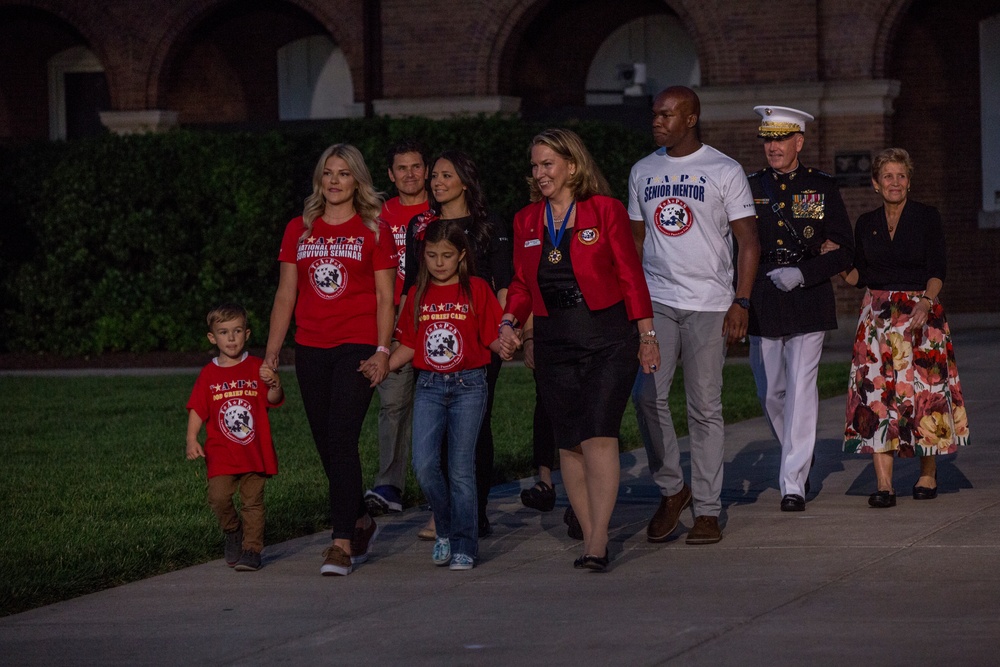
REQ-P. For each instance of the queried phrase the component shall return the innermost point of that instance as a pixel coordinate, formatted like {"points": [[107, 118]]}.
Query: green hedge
{"points": [[123, 243]]}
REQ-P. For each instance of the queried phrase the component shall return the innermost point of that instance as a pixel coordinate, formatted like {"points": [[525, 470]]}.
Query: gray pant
{"points": [[696, 338], [395, 428]]}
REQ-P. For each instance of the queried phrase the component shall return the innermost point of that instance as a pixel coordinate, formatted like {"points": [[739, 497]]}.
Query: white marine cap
{"points": [[779, 122]]}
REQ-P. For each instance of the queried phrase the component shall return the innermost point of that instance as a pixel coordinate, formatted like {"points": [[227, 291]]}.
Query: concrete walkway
{"points": [[839, 584]]}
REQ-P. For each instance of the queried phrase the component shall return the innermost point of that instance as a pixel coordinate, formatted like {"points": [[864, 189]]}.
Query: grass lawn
{"points": [[96, 491]]}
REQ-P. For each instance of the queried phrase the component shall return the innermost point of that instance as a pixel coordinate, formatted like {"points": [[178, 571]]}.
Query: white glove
{"points": [[786, 278]]}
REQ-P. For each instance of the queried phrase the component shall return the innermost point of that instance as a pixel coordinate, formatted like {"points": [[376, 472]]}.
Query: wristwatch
{"points": [[742, 302]]}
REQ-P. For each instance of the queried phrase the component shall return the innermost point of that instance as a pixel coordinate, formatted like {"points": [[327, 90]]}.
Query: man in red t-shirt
{"points": [[408, 172]]}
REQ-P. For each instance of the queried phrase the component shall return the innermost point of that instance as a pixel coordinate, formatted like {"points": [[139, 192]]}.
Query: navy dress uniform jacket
{"points": [[810, 201]]}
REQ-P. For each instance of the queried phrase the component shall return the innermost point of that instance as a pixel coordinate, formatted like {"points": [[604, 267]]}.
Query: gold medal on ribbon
{"points": [[555, 256]]}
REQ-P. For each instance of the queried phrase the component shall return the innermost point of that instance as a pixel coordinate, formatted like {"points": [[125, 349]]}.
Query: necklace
{"points": [[555, 255], [891, 225]]}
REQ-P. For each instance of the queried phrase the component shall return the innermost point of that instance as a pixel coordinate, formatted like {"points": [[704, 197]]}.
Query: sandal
{"points": [[541, 497]]}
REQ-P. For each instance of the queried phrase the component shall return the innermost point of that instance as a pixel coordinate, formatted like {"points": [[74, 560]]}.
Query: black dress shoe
{"points": [[882, 499], [573, 528], [793, 503], [596, 563], [541, 497], [925, 492]]}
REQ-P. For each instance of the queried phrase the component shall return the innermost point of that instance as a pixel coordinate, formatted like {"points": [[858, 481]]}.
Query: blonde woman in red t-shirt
{"points": [[338, 267]]}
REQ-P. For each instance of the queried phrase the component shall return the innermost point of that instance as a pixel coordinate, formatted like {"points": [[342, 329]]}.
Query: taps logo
{"points": [[673, 217], [443, 346], [328, 277], [236, 421]]}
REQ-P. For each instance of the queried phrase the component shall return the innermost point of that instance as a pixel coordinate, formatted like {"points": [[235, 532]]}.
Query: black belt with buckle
{"points": [[563, 298], [782, 256]]}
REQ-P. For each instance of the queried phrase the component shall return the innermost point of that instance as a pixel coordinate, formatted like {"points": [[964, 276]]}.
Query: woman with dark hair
{"points": [[338, 266], [578, 273], [904, 395], [456, 194]]}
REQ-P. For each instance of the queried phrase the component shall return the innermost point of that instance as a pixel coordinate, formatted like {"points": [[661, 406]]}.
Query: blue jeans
{"points": [[456, 403]]}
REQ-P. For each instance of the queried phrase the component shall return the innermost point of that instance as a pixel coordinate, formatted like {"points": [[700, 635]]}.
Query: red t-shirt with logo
{"points": [[398, 217], [336, 265], [232, 401], [452, 335]]}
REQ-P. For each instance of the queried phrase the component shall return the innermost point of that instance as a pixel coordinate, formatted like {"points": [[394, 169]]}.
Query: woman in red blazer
{"points": [[577, 271]]}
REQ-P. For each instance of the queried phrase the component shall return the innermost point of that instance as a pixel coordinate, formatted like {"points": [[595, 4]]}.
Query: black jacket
{"points": [[810, 202]]}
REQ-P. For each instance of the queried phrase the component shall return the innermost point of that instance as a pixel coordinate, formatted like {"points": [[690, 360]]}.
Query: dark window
{"points": [[86, 96]]}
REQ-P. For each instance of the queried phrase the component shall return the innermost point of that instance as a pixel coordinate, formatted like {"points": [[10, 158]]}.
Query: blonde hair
{"points": [[367, 200], [897, 155], [225, 312], [587, 180]]}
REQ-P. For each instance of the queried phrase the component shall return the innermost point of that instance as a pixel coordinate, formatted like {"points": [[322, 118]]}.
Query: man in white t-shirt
{"points": [[688, 202]]}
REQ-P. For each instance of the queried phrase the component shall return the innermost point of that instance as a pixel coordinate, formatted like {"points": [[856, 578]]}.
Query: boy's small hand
{"points": [[195, 451], [269, 377]]}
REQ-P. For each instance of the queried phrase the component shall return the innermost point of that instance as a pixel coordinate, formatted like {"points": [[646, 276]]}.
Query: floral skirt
{"points": [[904, 394]]}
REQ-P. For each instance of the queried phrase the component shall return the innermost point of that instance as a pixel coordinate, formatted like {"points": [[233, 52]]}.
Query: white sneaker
{"points": [[461, 562]]}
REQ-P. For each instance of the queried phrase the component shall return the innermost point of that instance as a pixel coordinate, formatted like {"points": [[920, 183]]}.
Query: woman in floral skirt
{"points": [[904, 396]]}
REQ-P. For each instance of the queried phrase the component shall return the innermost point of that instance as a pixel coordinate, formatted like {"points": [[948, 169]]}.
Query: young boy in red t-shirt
{"points": [[231, 397]]}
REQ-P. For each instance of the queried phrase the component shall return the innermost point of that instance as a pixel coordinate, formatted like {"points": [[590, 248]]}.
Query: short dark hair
{"points": [[405, 146], [225, 312]]}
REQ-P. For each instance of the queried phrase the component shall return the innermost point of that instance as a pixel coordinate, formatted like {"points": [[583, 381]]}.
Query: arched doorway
{"points": [[565, 54], [641, 58], [257, 63], [314, 81], [53, 86]]}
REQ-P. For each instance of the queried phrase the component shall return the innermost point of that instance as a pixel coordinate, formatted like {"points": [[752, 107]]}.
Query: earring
{"points": [[876, 190]]}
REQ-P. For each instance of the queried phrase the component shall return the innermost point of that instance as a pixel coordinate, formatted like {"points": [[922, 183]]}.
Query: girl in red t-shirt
{"points": [[451, 318], [338, 267]]}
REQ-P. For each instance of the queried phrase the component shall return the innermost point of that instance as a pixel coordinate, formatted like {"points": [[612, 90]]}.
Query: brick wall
{"points": [[213, 61], [937, 120]]}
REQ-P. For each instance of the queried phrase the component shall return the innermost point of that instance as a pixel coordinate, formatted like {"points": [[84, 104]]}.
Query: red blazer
{"points": [[605, 262]]}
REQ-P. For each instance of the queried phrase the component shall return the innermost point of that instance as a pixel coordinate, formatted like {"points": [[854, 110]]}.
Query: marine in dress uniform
{"points": [[792, 303]]}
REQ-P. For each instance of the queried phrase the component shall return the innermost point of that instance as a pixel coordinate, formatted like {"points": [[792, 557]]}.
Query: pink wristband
{"points": [[382, 348]]}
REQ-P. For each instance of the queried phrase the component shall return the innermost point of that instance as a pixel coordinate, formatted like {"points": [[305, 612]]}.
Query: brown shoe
{"points": [[705, 530], [361, 542], [335, 562], [665, 521]]}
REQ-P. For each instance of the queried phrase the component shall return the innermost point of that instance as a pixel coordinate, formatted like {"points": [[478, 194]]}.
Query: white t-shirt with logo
{"points": [[687, 204]]}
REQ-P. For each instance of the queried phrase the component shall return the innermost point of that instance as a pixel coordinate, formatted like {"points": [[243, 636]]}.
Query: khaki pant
{"points": [[220, 498]]}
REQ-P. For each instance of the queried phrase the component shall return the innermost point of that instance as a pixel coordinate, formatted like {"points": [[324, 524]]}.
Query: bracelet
{"points": [[505, 323], [649, 341], [929, 300], [651, 333], [383, 348]]}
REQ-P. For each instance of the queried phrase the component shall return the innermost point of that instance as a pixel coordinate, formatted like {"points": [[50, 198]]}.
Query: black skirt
{"points": [[585, 365]]}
